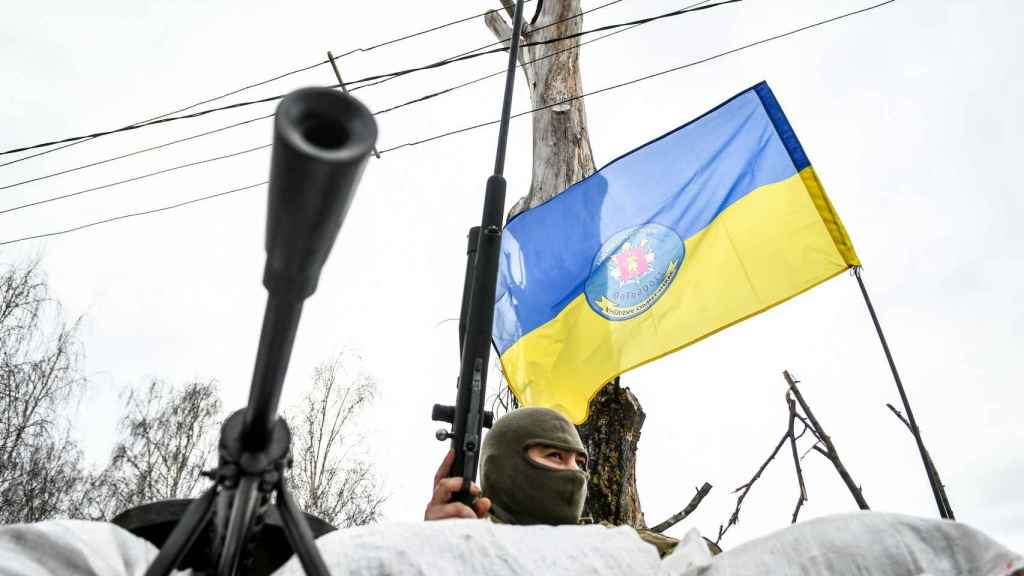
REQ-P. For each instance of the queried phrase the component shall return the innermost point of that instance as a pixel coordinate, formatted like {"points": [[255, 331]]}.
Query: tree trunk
{"points": [[611, 434], [561, 157]]}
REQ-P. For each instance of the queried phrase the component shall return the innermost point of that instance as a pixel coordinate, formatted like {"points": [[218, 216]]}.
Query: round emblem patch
{"points": [[632, 270]]}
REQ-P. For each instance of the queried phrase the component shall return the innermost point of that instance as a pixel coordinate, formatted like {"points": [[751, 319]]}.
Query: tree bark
{"points": [[561, 144], [611, 434], [561, 157]]}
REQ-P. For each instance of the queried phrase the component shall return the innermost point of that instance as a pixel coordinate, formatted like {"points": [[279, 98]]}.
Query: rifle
{"points": [[476, 319], [322, 139]]}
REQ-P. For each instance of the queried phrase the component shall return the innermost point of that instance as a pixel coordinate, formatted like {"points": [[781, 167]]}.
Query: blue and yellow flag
{"points": [[716, 221]]}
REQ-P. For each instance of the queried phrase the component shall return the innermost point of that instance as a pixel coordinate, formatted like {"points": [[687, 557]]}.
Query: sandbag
{"points": [[855, 544], [858, 544], [72, 548], [475, 547]]}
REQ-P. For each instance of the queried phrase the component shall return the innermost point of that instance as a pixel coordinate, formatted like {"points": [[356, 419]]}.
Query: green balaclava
{"points": [[523, 491]]}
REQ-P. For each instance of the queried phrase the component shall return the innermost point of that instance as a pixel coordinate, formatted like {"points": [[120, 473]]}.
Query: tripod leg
{"points": [[299, 535], [184, 534], [239, 523]]}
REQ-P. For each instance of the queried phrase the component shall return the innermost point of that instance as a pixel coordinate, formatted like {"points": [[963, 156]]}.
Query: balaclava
{"points": [[523, 491]]}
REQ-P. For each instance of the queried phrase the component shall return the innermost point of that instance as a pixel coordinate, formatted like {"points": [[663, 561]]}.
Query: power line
{"points": [[132, 215], [132, 179], [642, 78], [539, 28], [235, 125], [155, 122], [136, 152], [207, 160], [154, 119], [502, 72], [379, 112], [475, 53], [421, 32], [468, 128], [68, 142], [74, 142], [390, 75]]}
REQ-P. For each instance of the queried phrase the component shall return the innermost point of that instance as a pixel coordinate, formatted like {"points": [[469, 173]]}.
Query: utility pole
{"points": [[561, 157]]}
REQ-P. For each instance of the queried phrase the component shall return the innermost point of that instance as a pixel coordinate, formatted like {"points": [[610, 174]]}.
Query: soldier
{"points": [[533, 470]]}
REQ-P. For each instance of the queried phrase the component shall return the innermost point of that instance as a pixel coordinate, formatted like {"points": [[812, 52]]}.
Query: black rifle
{"points": [[468, 417], [322, 139]]}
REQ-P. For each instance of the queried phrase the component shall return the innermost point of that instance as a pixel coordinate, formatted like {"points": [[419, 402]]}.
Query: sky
{"points": [[908, 113]]}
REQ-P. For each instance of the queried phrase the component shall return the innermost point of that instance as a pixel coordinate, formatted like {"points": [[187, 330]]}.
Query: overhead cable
{"points": [[158, 121], [377, 113], [215, 158], [502, 72], [421, 32], [642, 78], [351, 88], [74, 142], [475, 53], [68, 142], [204, 161], [133, 179], [78, 140], [136, 152], [468, 128], [133, 214]]}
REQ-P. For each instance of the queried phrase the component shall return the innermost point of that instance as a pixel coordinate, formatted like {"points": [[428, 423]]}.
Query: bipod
{"points": [[245, 481]]}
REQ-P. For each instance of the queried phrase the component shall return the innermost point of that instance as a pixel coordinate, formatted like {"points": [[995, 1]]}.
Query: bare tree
{"points": [[169, 438], [39, 375], [332, 476]]}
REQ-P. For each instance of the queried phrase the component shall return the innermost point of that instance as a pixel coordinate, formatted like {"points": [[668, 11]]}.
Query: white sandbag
{"points": [[859, 543], [850, 544], [72, 548], [475, 547]]}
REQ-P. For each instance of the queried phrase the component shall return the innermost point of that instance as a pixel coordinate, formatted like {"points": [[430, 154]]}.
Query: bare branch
{"points": [[832, 454], [796, 460], [735, 517], [679, 516], [817, 448], [497, 25]]}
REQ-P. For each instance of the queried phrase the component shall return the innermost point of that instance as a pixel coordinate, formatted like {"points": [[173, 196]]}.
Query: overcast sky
{"points": [[909, 114]]}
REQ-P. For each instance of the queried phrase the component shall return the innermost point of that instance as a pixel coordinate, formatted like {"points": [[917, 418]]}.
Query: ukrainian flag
{"points": [[718, 220]]}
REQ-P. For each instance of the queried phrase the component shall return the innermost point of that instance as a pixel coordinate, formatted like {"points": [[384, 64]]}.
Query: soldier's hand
{"points": [[441, 506]]}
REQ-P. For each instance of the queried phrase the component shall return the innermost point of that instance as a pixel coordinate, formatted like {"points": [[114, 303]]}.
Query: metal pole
{"points": [[944, 510], [510, 79]]}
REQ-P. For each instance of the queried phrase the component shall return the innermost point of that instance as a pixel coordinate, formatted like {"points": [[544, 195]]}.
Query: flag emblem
{"points": [[632, 270]]}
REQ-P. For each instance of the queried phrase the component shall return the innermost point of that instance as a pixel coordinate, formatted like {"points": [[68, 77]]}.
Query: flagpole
{"points": [[944, 509]]}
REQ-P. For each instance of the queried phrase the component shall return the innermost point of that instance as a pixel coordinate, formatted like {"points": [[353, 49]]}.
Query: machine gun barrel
{"points": [[322, 140]]}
